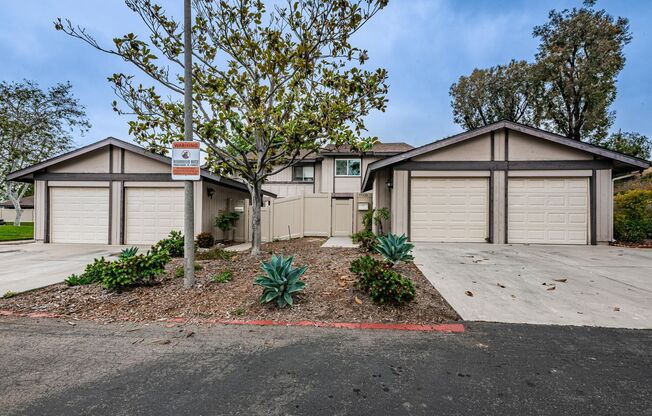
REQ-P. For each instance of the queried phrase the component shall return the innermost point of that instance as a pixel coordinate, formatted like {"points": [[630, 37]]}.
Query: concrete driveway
{"points": [[33, 265], [604, 286]]}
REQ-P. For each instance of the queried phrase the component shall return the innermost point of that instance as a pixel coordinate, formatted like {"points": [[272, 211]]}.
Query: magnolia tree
{"points": [[270, 85], [34, 125]]}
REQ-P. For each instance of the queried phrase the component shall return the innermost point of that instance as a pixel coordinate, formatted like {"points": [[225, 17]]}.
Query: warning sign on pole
{"points": [[185, 161]]}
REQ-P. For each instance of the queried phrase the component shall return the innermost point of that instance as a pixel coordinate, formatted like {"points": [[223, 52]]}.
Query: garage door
{"points": [[548, 211], [79, 215], [151, 213], [449, 209]]}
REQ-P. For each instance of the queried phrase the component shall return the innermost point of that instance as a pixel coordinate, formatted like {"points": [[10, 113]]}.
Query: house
{"points": [[337, 171], [8, 213], [502, 183], [114, 192]]}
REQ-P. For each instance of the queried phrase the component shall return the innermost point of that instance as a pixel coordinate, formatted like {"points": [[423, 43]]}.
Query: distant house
{"points": [[336, 171], [8, 213]]}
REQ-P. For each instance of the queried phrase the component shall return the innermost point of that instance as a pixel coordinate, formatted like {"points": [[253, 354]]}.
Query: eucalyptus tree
{"points": [[35, 125], [271, 85]]}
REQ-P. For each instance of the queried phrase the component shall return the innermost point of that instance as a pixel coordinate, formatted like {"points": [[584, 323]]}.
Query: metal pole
{"points": [[188, 205]]}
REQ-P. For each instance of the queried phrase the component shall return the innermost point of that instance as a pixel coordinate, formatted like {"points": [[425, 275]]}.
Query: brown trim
{"points": [[409, 206], [507, 165], [110, 210], [491, 204], [289, 183], [493, 145], [123, 224], [122, 160], [506, 144], [506, 216], [46, 217], [593, 207], [136, 177]]}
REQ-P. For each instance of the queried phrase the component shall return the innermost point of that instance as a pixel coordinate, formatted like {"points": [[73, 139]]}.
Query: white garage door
{"points": [[449, 209], [79, 215], [151, 213], [548, 211]]}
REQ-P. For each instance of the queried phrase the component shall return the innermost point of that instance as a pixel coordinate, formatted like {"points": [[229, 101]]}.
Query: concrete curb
{"points": [[455, 328]]}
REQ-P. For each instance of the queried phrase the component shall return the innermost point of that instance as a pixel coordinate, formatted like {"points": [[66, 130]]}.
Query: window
{"points": [[303, 173], [347, 167]]}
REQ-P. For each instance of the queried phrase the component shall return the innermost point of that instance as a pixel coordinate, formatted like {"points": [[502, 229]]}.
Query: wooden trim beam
{"points": [[508, 165]]}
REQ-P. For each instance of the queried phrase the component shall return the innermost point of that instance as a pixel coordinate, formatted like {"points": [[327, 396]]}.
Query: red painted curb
{"points": [[448, 328]]}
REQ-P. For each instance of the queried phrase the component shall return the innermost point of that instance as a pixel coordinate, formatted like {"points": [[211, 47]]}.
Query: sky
{"points": [[425, 45]]}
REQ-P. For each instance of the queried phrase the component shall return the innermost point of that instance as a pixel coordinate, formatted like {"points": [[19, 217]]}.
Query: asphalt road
{"points": [[50, 367]]}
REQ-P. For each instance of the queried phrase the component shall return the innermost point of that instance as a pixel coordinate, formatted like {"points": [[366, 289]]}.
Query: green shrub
{"points": [[9, 295], [226, 221], [375, 216], [93, 273], [137, 270], [281, 280], [179, 272], [214, 254], [366, 239], [390, 287], [633, 215], [222, 277], [173, 244], [366, 268], [205, 240], [394, 248], [128, 252]]}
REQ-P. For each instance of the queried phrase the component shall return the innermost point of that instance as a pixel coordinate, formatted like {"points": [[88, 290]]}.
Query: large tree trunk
{"points": [[17, 208], [256, 192], [19, 214]]}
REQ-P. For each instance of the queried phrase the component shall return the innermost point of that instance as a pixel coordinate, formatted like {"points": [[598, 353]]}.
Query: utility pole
{"points": [[189, 209]]}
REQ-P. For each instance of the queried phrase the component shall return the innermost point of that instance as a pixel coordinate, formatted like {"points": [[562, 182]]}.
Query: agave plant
{"points": [[281, 280], [128, 252], [394, 248]]}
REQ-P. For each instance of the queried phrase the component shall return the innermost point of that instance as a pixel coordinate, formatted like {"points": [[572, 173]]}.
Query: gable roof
{"points": [[631, 161], [389, 148], [27, 174]]}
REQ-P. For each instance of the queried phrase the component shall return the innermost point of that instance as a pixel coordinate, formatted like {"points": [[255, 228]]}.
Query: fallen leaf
{"points": [[616, 309], [358, 300], [551, 288], [560, 280], [513, 296], [71, 323], [343, 284], [189, 334], [500, 285], [468, 293]]}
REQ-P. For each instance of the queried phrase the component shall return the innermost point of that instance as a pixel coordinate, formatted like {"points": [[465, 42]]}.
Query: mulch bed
{"points": [[329, 296], [644, 244]]}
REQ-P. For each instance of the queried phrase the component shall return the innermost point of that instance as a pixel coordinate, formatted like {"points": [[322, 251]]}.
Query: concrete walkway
{"points": [[542, 284], [30, 266], [341, 242], [238, 247]]}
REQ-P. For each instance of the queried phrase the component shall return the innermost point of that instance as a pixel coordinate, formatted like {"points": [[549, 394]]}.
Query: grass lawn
{"points": [[10, 233]]}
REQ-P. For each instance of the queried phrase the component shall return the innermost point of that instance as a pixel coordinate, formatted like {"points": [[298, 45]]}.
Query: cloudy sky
{"points": [[425, 44]]}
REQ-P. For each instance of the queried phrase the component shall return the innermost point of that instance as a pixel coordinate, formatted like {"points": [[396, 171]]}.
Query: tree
{"points": [[630, 143], [270, 87], [580, 55], [503, 92], [34, 125]]}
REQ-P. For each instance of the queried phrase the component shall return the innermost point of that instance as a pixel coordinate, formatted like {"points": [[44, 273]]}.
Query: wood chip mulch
{"points": [[330, 294]]}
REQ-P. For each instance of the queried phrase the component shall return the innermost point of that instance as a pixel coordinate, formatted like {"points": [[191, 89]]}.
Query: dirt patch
{"points": [[330, 294]]}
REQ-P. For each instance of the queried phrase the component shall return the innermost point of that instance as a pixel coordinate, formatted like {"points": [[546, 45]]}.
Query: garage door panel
{"points": [[548, 211], [151, 213], [449, 209], [79, 215]]}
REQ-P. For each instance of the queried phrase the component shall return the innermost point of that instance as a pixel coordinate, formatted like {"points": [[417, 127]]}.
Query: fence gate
{"points": [[342, 212]]}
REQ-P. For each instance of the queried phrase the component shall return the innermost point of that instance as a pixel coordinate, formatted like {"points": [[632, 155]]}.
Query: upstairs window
{"points": [[303, 173], [347, 167]]}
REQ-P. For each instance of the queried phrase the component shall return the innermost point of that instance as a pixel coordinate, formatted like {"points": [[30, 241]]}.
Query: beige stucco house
{"points": [[337, 171], [502, 183], [114, 192]]}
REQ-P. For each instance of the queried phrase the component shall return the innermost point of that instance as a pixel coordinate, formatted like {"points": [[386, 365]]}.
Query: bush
{"points": [[281, 280], [9, 295], [395, 249], [366, 268], [390, 287], [205, 240], [226, 221], [128, 252], [93, 273], [633, 216], [223, 277], [214, 254], [366, 239], [136, 270], [173, 244]]}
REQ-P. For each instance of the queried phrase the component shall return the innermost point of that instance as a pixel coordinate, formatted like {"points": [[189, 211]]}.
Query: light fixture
{"points": [[210, 192], [389, 184]]}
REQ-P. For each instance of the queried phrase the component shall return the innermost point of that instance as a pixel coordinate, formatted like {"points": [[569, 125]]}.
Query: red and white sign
{"points": [[186, 161]]}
